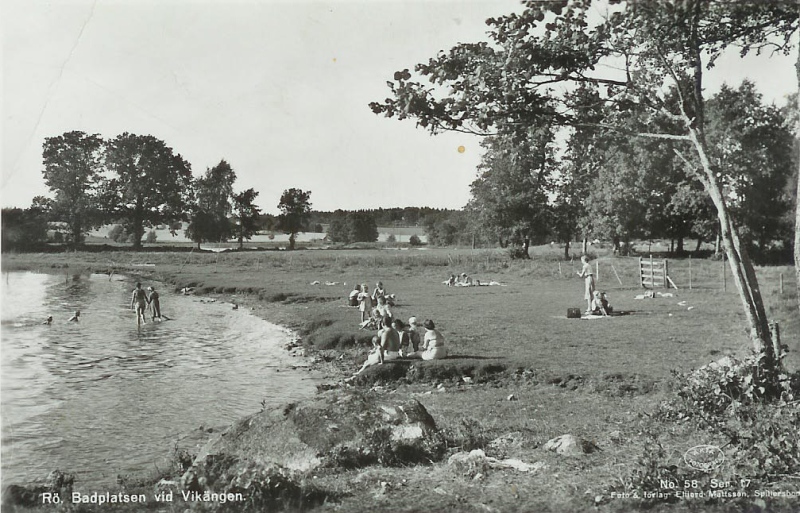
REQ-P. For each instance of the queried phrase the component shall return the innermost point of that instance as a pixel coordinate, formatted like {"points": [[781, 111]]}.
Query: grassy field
{"points": [[597, 379]]}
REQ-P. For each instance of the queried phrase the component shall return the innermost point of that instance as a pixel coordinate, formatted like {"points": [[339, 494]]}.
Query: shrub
{"points": [[151, 237], [117, 234], [391, 238], [517, 252], [414, 241]]}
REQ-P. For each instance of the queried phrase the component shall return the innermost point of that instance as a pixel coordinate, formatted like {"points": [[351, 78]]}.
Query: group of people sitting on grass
{"points": [[373, 306], [462, 280], [396, 339]]}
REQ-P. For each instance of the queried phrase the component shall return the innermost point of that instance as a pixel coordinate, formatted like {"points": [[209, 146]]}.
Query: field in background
{"points": [[268, 240]]}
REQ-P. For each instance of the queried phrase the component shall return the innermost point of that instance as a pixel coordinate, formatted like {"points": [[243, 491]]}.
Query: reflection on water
{"points": [[102, 397]]}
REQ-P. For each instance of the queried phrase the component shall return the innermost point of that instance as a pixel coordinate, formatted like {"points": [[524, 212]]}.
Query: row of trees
{"points": [[634, 75], [139, 182], [605, 184]]}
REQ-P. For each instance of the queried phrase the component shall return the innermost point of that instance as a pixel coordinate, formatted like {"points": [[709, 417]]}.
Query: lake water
{"points": [[102, 398]]}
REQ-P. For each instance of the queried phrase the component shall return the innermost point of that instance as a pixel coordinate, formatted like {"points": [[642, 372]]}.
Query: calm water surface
{"points": [[101, 397]]}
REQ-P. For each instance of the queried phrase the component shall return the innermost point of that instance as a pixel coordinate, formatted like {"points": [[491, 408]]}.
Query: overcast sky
{"points": [[278, 89]]}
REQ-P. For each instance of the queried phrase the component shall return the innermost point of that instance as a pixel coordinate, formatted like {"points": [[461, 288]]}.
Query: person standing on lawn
{"points": [[588, 279]]}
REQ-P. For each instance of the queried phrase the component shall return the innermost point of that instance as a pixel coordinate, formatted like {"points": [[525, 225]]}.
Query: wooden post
{"points": [[690, 272], [641, 277], [652, 273], [666, 273], [781, 283], [724, 278], [559, 269]]}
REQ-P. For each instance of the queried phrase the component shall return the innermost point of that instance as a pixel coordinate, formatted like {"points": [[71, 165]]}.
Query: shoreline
{"points": [[292, 344]]}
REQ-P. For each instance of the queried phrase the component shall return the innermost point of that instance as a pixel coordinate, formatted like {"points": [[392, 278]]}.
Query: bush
{"points": [[517, 253], [151, 237], [118, 234], [414, 241], [715, 388], [391, 238]]}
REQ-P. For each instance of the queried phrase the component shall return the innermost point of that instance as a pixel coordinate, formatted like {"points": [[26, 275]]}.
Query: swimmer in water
{"points": [[76, 317], [49, 320]]}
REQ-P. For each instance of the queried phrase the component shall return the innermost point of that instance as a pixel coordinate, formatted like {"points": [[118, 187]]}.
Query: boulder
{"points": [[569, 445], [337, 428]]}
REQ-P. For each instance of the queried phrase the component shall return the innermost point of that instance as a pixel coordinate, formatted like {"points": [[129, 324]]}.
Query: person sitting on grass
{"points": [[464, 280], [364, 302], [383, 308], [379, 292], [433, 344], [600, 304], [451, 282], [405, 337], [386, 347], [354, 295]]}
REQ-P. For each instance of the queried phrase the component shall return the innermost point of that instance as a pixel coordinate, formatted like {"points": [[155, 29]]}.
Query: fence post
{"points": [[690, 272], [724, 277], [652, 273], [781, 283]]}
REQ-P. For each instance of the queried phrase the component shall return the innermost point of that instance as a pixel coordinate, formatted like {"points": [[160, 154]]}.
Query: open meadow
{"points": [[531, 373]]}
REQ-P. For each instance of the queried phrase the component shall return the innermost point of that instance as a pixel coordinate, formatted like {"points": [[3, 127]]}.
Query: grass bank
{"points": [[531, 373]]}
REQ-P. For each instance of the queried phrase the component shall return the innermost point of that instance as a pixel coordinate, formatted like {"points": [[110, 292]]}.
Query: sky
{"points": [[279, 89]]}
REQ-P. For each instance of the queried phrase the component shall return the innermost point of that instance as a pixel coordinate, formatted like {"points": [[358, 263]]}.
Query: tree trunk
{"points": [[526, 244], [679, 248], [291, 241], [566, 250], [797, 208], [697, 248], [585, 248], [744, 275]]}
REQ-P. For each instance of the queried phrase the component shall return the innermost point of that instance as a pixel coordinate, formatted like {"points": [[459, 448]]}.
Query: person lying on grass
{"points": [[386, 347]]}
